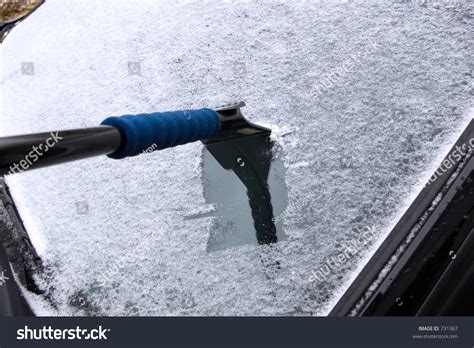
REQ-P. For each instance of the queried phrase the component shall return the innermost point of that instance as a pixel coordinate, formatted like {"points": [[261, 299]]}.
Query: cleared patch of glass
{"points": [[247, 187]]}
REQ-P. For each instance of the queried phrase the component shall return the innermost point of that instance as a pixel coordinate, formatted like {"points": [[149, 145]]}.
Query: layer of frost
{"points": [[361, 147]]}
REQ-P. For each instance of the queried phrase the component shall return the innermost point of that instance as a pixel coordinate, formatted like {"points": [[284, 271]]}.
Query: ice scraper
{"points": [[124, 136], [130, 135]]}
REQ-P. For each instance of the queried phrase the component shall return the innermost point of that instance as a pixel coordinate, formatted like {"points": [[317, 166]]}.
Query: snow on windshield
{"points": [[363, 98]]}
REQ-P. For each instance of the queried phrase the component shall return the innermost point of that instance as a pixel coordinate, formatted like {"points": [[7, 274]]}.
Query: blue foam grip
{"points": [[161, 130]]}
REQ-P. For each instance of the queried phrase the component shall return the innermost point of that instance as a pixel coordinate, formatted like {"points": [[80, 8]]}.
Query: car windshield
{"points": [[363, 100]]}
